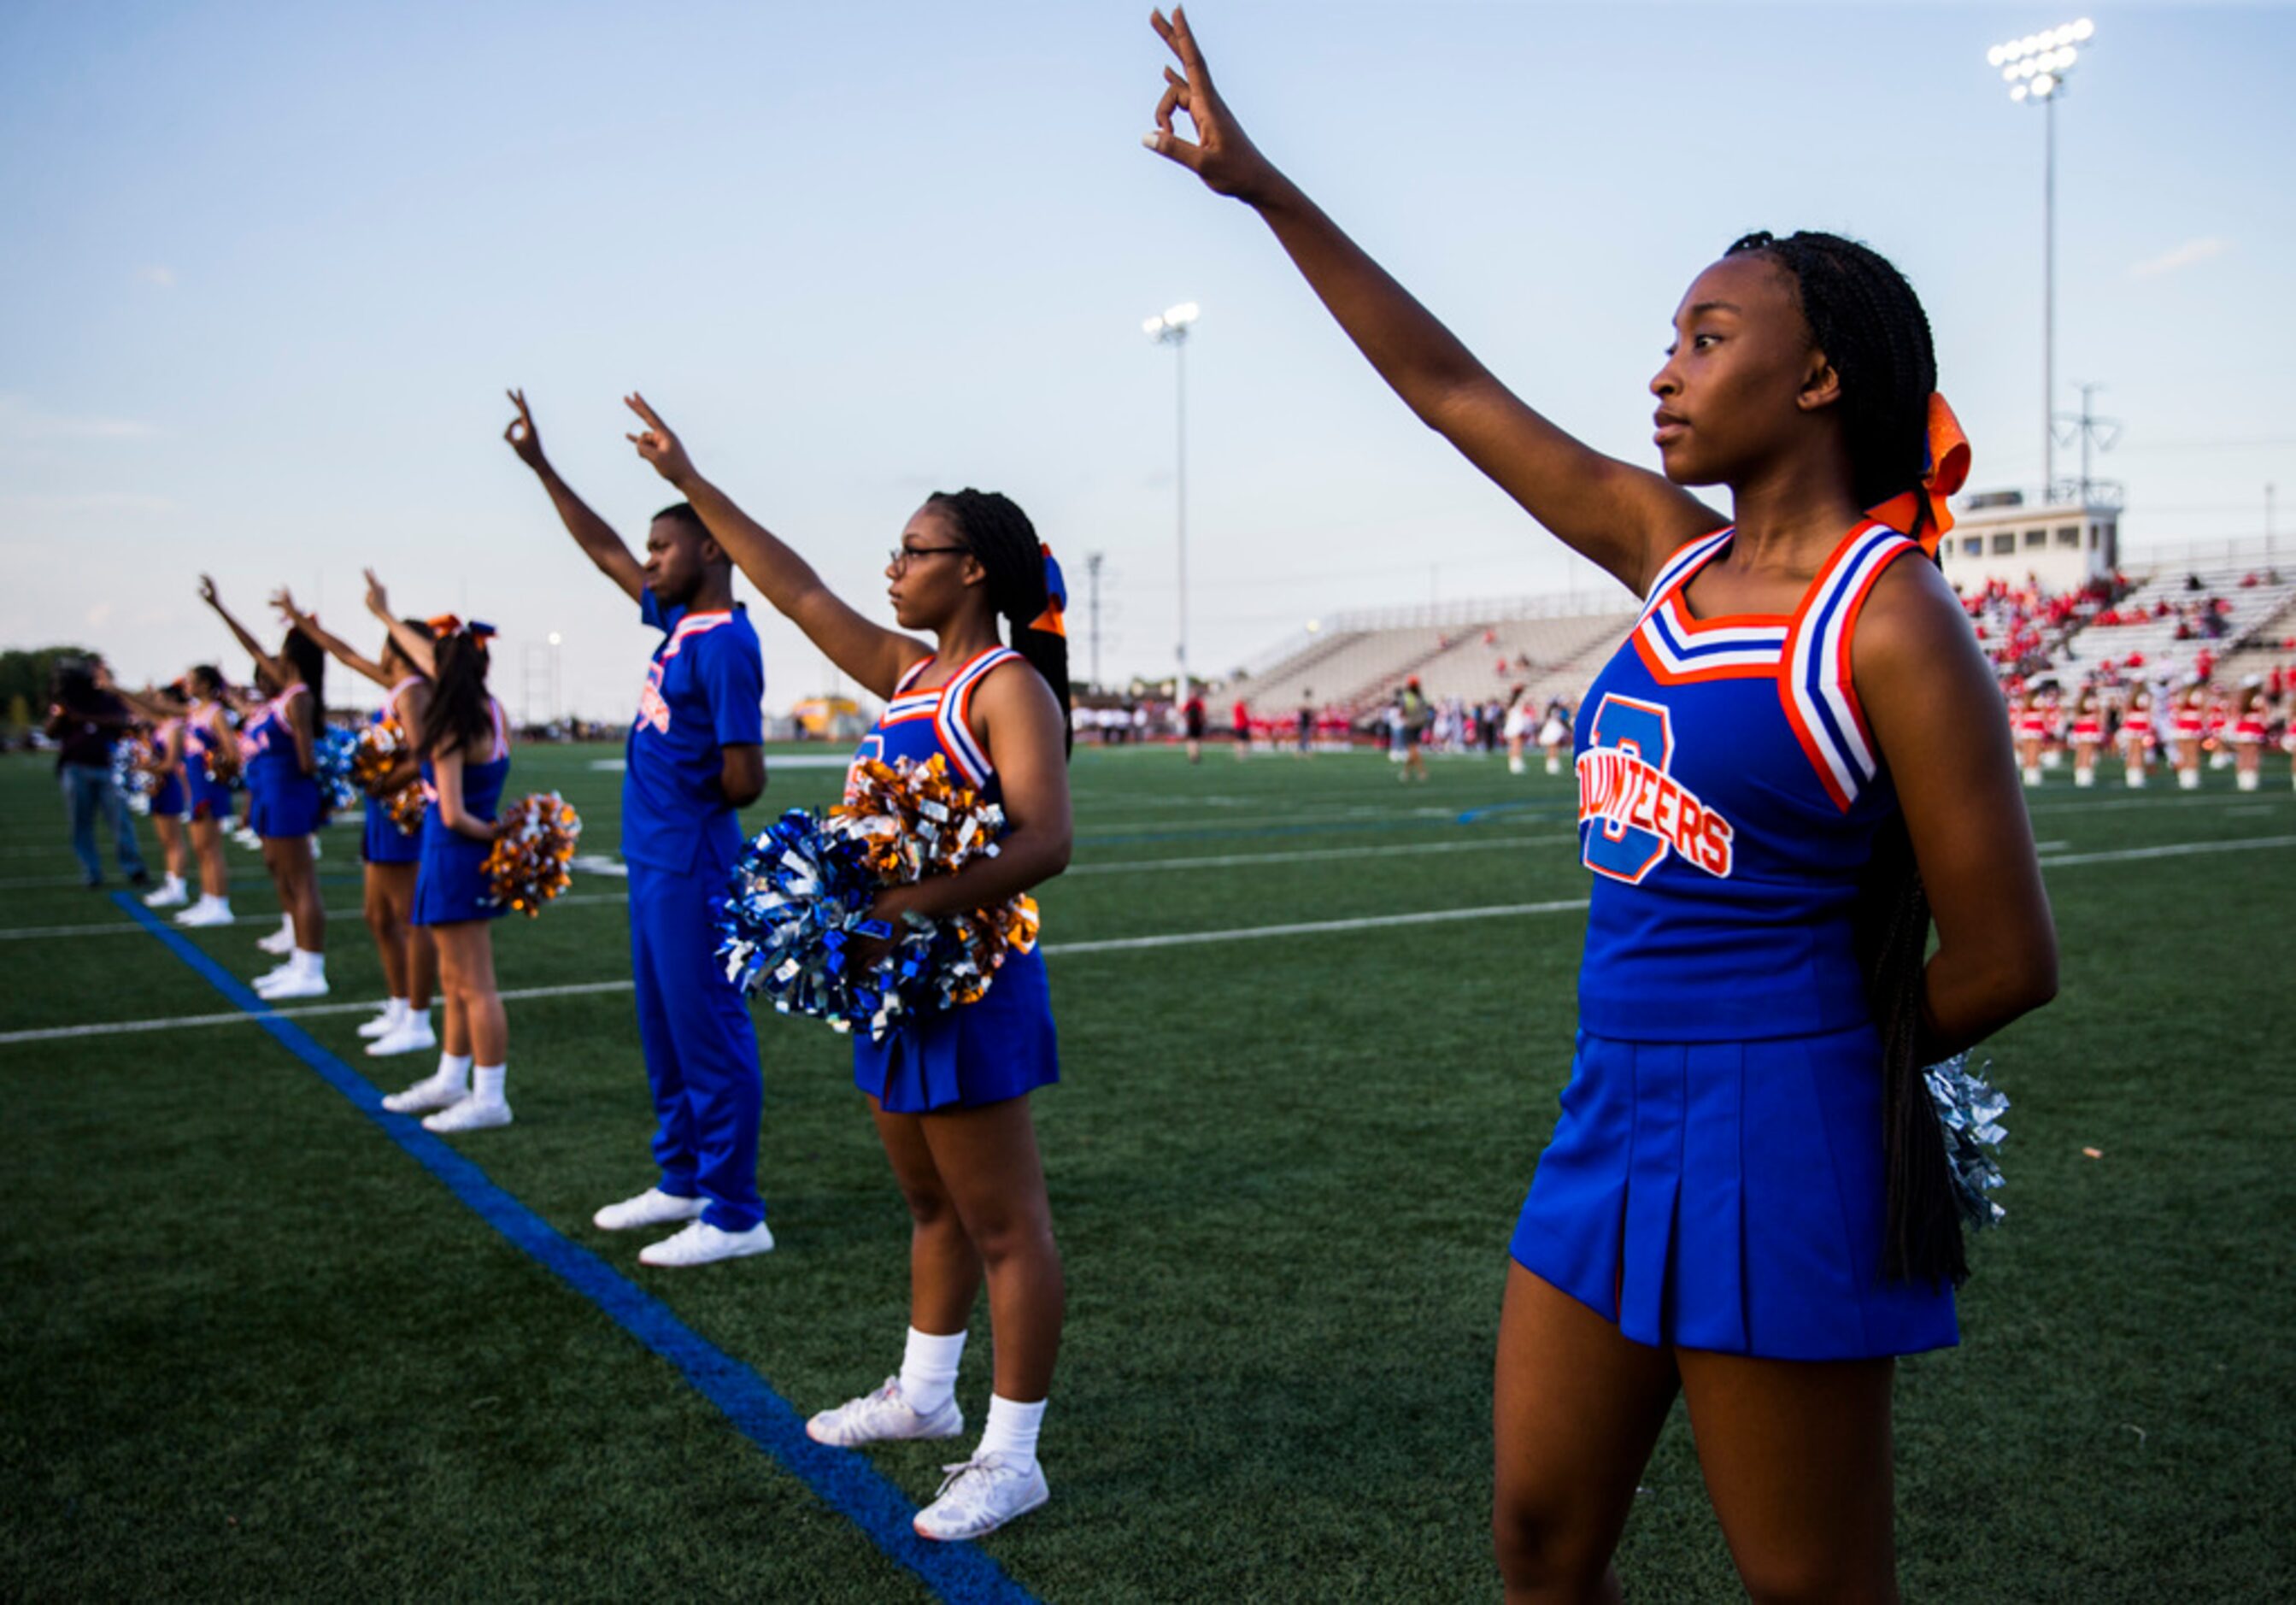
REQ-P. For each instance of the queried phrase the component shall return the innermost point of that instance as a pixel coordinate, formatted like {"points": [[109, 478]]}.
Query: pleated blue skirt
{"points": [[981, 1053], [169, 801], [282, 805], [209, 798], [383, 842], [1728, 1195], [450, 881]]}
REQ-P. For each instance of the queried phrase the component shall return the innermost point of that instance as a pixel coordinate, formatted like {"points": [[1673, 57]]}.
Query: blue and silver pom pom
{"points": [[1969, 1109], [331, 763], [130, 778]]}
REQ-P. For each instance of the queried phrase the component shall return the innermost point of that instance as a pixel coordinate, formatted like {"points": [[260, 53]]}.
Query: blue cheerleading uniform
{"points": [[704, 691], [171, 799], [450, 882], [381, 842], [1001, 1045], [1717, 1180], [282, 802], [206, 797]]}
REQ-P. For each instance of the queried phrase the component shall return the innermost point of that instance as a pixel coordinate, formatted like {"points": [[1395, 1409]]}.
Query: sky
{"points": [[267, 269]]}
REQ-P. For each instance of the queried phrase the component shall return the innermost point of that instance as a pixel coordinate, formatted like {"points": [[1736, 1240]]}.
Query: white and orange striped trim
{"points": [[1821, 703], [694, 624], [950, 719]]}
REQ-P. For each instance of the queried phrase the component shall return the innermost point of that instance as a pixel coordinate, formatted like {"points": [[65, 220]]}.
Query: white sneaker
{"points": [[471, 1114], [302, 983], [382, 1024], [881, 1417], [436, 1090], [281, 941], [172, 895], [411, 1035], [980, 1495], [205, 913], [275, 976], [702, 1244], [651, 1207]]}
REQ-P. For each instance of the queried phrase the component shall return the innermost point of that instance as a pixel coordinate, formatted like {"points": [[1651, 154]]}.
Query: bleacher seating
{"points": [[1554, 647], [2168, 641]]}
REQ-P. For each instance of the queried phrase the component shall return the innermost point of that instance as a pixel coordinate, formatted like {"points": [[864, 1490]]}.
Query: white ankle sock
{"points": [[487, 1083], [395, 1011], [455, 1070], [929, 1370], [1012, 1430], [310, 963]]}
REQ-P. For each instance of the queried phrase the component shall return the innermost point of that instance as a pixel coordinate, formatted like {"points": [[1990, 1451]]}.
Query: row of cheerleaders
{"points": [[796, 916], [2200, 726], [446, 851], [793, 921]]}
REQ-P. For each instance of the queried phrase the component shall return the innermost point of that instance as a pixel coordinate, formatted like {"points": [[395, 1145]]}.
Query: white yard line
{"points": [[1314, 927], [306, 1011], [1315, 855], [2167, 850], [1109, 944]]}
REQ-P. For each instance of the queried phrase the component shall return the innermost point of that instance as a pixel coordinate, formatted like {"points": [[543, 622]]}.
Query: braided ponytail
{"points": [[1868, 320], [999, 536]]}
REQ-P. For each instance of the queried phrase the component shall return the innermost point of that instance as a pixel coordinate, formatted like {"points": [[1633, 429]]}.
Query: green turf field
{"points": [[251, 1349]]}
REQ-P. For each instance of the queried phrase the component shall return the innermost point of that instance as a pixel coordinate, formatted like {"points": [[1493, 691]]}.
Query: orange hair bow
{"points": [[1945, 470], [1056, 593]]}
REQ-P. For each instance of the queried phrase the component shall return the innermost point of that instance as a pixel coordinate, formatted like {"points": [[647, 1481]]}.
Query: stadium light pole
{"points": [[2034, 67], [1170, 327]]}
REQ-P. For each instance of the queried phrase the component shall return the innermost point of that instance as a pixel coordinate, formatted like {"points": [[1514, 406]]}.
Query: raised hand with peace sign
{"points": [[1221, 154], [1624, 517]]}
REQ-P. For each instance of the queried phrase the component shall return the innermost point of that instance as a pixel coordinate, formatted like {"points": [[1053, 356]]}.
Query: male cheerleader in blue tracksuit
{"points": [[695, 756]]}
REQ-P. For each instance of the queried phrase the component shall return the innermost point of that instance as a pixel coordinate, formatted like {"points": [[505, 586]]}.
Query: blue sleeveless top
{"points": [[482, 790], [269, 741], [917, 724], [1729, 791], [1003, 1045]]}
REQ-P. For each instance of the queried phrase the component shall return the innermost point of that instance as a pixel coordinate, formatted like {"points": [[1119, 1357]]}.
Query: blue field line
{"points": [[1560, 809], [843, 1480]]}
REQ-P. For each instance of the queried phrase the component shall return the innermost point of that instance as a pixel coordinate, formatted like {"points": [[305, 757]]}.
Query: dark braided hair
{"points": [[992, 527], [1868, 320], [310, 660], [460, 712]]}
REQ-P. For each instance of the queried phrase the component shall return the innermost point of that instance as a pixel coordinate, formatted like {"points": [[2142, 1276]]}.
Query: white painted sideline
{"points": [[1105, 945], [239, 1016], [1050, 949], [611, 870]]}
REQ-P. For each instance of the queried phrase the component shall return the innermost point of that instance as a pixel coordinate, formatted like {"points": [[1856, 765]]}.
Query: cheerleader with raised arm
{"points": [[949, 1092], [280, 745], [463, 742], [1795, 759], [410, 959]]}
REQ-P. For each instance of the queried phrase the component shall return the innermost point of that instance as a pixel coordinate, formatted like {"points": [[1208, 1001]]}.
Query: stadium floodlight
{"points": [[1170, 327], [2034, 68]]}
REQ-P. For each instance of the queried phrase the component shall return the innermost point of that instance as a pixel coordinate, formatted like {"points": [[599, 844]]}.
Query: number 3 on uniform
{"points": [[1643, 733]]}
